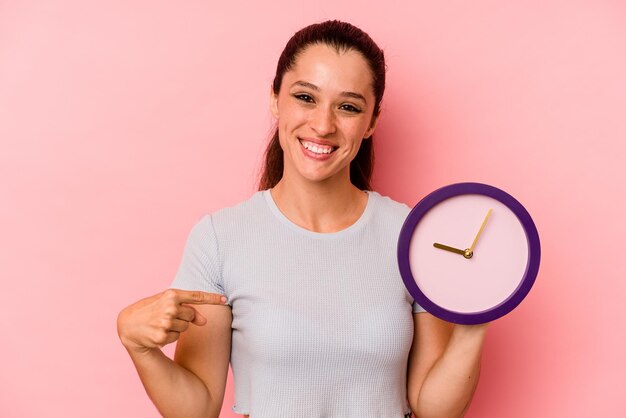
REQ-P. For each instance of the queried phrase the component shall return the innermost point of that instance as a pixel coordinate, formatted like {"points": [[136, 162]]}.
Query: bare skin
{"points": [[149, 324], [444, 366], [326, 100], [318, 195]]}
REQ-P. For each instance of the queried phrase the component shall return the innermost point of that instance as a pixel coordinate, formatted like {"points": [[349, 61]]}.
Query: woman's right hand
{"points": [[158, 320]]}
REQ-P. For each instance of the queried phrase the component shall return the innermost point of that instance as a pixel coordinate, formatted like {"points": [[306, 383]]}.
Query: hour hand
{"points": [[448, 248]]}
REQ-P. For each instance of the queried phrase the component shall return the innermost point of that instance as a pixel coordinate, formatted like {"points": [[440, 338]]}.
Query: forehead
{"points": [[328, 69]]}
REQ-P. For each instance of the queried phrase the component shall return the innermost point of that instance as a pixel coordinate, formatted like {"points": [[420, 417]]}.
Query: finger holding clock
{"points": [[480, 230]]}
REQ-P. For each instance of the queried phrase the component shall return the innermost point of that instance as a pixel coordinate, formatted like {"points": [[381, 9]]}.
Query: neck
{"points": [[320, 206]]}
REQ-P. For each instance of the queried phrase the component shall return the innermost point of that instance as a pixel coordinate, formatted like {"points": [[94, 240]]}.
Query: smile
{"points": [[317, 148]]}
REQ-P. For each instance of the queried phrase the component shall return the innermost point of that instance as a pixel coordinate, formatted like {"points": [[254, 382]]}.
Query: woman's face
{"points": [[324, 110]]}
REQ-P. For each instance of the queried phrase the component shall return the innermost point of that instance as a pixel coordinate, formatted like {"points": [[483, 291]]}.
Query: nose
{"points": [[322, 121]]}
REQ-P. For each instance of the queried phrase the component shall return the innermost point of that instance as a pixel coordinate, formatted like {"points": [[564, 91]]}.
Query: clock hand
{"points": [[480, 231], [451, 249], [468, 252]]}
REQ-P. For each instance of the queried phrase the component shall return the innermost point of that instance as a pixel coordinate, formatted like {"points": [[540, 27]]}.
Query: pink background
{"points": [[122, 123]]}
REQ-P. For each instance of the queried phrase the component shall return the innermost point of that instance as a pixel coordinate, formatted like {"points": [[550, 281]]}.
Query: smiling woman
{"points": [[298, 287], [342, 38], [323, 116]]}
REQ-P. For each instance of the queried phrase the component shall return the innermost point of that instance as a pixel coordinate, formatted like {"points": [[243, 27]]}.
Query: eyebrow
{"points": [[343, 93]]}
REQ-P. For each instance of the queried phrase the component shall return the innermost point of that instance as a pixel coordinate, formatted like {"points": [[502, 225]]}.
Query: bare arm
{"points": [[444, 366], [205, 352], [193, 385]]}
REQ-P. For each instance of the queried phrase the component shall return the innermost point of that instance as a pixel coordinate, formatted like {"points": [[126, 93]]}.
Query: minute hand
{"points": [[480, 230]]}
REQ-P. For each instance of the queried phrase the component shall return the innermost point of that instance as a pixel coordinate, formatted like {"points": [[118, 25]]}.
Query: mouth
{"points": [[316, 148]]}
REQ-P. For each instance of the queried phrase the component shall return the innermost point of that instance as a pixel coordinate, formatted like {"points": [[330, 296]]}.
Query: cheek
{"points": [[291, 117], [356, 131]]}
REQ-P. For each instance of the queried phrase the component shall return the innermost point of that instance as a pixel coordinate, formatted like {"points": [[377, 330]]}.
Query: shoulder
{"points": [[237, 219], [214, 229], [387, 215], [247, 210], [237, 213], [386, 206]]}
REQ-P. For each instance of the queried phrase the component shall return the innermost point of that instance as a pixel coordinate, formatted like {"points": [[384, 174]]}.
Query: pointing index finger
{"points": [[198, 297]]}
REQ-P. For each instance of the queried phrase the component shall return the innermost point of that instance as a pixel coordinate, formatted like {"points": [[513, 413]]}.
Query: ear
{"points": [[372, 127], [273, 102]]}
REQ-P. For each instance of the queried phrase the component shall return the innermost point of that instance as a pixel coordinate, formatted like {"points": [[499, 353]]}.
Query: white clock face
{"points": [[498, 263]]}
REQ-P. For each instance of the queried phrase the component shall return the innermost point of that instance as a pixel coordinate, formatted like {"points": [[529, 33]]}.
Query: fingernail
{"points": [[223, 299]]}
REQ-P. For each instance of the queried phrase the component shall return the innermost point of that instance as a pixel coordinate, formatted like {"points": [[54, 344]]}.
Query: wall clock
{"points": [[469, 253]]}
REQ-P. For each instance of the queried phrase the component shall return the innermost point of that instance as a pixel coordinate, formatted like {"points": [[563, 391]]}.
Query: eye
{"points": [[350, 108], [304, 97]]}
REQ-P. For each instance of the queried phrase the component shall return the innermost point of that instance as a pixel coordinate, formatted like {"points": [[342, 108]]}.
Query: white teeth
{"points": [[316, 149]]}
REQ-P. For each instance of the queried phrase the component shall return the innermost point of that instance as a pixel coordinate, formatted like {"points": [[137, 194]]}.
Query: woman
{"points": [[298, 286]]}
